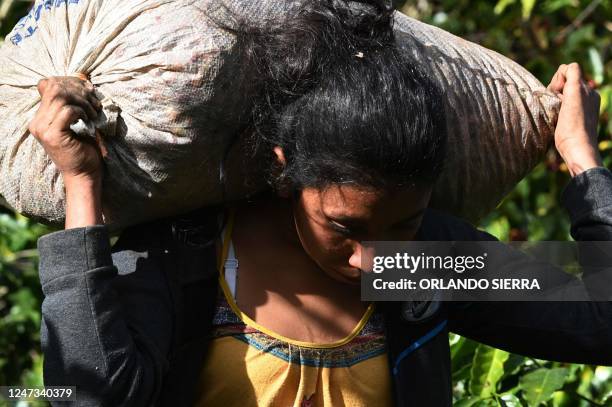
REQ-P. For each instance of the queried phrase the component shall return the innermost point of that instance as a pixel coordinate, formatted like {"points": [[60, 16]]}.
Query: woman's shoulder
{"points": [[184, 244]]}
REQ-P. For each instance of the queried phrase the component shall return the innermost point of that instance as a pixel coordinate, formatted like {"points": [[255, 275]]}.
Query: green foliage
{"points": [[10, 12], [484, 376], [487, 370], [20, 301], [538, 386], [539, 35]]}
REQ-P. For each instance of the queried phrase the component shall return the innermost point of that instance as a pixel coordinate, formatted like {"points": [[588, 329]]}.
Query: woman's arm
{"points": [[108, 335], [578, 332]]}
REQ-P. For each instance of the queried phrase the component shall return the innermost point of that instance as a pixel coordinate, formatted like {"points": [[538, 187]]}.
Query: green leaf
{"points": [[489, 402], [500, 228], [5, 8], [501, 6], [606, 100], [527, 8], [461, 373], [34, 377], [487, 370], [510, 400], [462, 354], [597, 65], [551, 6], [467, 402], [538, 386], [513, 364]]}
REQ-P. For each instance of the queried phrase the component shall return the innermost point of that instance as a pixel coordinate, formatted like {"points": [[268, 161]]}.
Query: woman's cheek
{"points": [[340, 250], [331, 247]]}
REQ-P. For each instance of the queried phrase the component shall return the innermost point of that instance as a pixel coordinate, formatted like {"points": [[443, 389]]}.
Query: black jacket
{"points": [[128, 325]]}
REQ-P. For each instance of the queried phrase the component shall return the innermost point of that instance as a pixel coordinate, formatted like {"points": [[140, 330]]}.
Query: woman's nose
{"points": [[362, 257], [355, 260]]}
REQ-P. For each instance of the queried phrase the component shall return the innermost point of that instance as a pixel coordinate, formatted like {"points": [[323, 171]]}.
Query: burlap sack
{"points": [[165, 73]]}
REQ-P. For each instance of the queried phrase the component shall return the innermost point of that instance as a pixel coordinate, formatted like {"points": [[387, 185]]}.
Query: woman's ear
{"points": [[280, 156], [281, 188]]}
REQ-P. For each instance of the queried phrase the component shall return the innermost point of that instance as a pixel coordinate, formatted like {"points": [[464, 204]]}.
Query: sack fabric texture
{"points": [[165, 72]]}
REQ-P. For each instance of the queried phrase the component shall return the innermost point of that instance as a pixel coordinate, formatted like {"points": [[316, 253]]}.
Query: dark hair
{"points": [[344, 103]]}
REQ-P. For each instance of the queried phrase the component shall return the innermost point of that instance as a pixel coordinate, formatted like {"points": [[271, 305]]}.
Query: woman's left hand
{"points": [[576, 131]]}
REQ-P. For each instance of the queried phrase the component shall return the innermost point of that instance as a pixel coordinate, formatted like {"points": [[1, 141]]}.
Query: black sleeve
{"points": [[105, 329], [576, 332]]}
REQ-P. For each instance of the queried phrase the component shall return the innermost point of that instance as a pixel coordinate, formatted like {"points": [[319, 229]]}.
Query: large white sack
{"points": [[166, 76]]}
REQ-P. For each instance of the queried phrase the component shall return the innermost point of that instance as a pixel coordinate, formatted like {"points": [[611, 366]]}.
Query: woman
{"points": [[356, 136]]}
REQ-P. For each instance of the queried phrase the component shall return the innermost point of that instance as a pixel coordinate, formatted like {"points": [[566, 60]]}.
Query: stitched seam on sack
{"points": [[480, 72], [91, 308], [531, 120], [124, 23]]}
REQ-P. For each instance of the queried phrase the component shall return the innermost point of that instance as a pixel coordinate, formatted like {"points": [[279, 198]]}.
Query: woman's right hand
{"points": [[78, 159], [576, 131], [64, 100]]}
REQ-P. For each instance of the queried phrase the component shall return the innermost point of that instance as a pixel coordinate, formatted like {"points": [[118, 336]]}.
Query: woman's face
{"points": [[332, 222]]}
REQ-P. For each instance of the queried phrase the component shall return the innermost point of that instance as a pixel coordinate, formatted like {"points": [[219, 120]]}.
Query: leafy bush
{"points": [[20, 301]]}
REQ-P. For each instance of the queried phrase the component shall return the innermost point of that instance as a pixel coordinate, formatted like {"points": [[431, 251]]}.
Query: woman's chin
{"points": [[348, 275]]}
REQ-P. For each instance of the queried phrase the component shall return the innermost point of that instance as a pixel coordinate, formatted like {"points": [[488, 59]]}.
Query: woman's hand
{"points": [[64, 100], [78, 159], [576, 131]]}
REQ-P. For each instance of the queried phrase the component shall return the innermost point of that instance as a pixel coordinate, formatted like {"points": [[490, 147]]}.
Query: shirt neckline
{"points": [[251, 323]]}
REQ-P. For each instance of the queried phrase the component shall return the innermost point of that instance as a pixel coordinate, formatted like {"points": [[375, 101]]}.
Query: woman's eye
{"points": [[339, 228]]}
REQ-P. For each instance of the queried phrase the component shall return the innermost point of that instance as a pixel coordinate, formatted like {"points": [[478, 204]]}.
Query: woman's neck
{"points": [[271, 216]]}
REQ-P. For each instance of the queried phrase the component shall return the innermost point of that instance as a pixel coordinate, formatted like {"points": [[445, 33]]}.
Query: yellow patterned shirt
{"points": [[249, 365]]}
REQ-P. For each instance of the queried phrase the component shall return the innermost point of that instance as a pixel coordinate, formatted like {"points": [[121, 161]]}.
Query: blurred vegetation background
{"points": [[538, 34]]}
